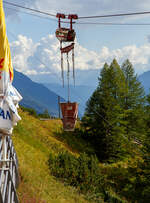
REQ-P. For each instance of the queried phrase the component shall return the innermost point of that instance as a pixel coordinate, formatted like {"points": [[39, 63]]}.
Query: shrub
{"points": [[45, 114], [29, 110], [82, 172]]}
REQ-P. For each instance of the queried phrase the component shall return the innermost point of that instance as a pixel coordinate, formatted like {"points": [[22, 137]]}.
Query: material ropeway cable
{"points": [[109, 23], [80, 17], [31, 13], [79, 23], [115, 15], [31, 9]]}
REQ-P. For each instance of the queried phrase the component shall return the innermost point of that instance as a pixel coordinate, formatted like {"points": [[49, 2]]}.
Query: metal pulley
{"points": [[65, 34]]}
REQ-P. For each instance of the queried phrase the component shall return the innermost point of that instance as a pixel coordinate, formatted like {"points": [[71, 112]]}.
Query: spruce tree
{"points": [[146, 169], [103, 117], [134, 101], [143, 176], [147, 114]]}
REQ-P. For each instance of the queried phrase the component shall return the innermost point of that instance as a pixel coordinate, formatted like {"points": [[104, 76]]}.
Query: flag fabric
{"points": [[9, 96]]}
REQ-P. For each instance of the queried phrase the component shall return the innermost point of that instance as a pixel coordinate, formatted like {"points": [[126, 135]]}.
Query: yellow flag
{"points": [[5, 55], [9, 96]]}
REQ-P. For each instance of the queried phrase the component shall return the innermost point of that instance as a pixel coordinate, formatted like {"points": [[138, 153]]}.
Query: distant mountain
{"points": [[87, 81], [82, 77], [145, 80], [45, 96], [79, 93], [35, 95]]}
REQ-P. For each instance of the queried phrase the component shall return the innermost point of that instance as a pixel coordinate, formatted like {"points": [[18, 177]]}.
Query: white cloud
{"points": [[44, 56], [139, 56], [22, 49]]}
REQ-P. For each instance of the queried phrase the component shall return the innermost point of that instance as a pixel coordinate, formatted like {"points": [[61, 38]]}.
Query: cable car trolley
{"points": [[66, 35], [69, 109]]}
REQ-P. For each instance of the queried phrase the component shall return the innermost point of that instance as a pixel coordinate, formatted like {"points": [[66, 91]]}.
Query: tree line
{"points": [[117, 124], [117, 115]]}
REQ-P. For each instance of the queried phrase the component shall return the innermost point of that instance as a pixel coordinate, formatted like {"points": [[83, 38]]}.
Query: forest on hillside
{"points": [[116, 127]]}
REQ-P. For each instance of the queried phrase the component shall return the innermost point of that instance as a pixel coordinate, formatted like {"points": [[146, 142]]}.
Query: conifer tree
{"points": [[103, 118], [147, 113], [143, 179], [134, 101]]}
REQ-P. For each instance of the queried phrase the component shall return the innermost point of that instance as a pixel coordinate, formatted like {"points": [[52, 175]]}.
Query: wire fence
{"points": [[9, 177]]}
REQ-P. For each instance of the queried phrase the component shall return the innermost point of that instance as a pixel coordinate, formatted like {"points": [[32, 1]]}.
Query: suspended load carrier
{"points": [[66, 35]]}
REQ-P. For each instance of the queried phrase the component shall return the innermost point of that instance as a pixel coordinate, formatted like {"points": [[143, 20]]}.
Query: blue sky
{"points": [[35, 50]]}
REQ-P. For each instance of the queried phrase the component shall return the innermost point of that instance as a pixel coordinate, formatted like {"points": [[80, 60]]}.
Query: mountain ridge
{"points": [[78, 93], [145, 80], [36, 95], [42, 96]]}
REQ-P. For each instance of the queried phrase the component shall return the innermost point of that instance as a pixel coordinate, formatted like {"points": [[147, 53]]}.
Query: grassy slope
{"points": [[34, 140]]}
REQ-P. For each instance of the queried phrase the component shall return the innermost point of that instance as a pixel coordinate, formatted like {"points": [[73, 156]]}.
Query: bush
{"points": [[82, 172], [45, 114], [29, 110]]}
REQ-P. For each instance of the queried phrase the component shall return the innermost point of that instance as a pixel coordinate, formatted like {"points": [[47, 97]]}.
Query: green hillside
{"points": [[34, 140]]}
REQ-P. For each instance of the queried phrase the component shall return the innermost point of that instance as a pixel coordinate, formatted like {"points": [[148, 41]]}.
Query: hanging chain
{"points": [[73, 66], [68, 71], [62, 65]]}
